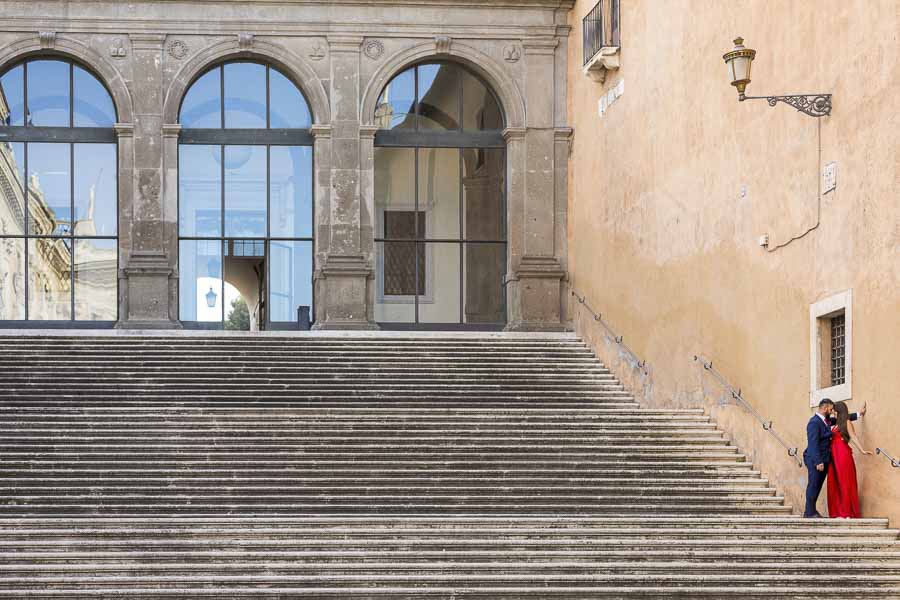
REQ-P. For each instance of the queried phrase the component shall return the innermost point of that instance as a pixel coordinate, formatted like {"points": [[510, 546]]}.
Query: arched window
{"points": [[59, 204], [440, 189], [245, 200]]}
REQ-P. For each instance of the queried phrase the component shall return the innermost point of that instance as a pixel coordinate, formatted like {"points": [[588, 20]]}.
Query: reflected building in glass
{"points": [[334, 176]]}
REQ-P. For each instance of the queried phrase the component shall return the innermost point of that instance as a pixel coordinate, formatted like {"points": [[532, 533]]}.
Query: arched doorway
{"points": [[440, 201], [245, 200], [58, 196]]}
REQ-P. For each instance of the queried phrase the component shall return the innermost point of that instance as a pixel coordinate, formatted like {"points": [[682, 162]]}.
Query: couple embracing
{"points": [[829, 434]]}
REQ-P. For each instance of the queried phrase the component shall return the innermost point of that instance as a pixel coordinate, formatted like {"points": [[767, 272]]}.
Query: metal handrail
{"points": [[793, 452], [620, 340], [894, 462]]}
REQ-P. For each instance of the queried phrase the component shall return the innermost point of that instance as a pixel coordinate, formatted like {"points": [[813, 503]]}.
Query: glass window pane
{"points": [[245, 272], [96, 268], [12, 99], [245, 191], [441, 298], [288, 108], [439, 192], [49, 189], [291, 279], [396, 273], [484, 179], [395, 109], [92, 105], [290, 191], [200, 190], [48, 93], [485, 266], [245, 96], [49, 279], [438, 96], [95, 189], [200, 291], [12, 279], [480, 110], [12, 176], [395, 183], [202, 105]]}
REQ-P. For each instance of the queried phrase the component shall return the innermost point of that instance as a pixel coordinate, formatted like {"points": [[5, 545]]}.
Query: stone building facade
{"points": [[341, 56]]}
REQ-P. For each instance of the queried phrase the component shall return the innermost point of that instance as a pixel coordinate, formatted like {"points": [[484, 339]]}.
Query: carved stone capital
{"points": [[124, 130], [171, 130], [320, 131]]}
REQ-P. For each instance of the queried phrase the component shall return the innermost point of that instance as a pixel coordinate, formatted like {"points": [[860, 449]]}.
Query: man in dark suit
{"points": [[817, 455]]}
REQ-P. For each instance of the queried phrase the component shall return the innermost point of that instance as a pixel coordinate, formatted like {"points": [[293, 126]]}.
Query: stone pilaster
{"points": [[147, 295], [344, 279], [534, 283]]}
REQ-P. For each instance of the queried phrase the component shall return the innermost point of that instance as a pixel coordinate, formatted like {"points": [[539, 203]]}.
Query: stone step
{"points": [[502, 535]]}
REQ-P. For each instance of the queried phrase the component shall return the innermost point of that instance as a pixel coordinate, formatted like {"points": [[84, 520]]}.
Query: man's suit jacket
{"points": [[818, 440]]}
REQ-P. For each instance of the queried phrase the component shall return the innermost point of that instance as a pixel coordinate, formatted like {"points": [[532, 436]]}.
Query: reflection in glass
{"points": [[200, 190], [95, 280], [485, 267], [483, 193], [288, 108], [202, 105], [438, 96], [12, 279], [92, 106], [480, 109], [49, 189], [245, 96], [290, 279], [396, 106], [200, 291], [245, 276], [396, 273], [49, 279], [440, 300], [95, 189], [439, 191], [48, 93], [12, 98], [12, 195], [245, 191], [290, 191], [395, 182]]}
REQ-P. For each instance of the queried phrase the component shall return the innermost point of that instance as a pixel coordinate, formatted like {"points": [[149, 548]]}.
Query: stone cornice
{"points": [[147, 41]]}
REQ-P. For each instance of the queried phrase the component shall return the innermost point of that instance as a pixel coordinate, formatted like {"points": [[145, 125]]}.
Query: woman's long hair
{"points": [[843, 417]]}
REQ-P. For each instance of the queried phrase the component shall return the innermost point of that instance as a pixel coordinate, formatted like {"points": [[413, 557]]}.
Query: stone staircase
{"points": [[395, 466]]}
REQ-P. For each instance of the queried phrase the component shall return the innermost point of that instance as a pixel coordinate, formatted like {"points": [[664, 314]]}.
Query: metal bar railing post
{"points": [[793, 451]]}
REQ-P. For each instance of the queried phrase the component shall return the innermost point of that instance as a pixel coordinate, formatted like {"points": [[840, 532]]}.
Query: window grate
{"points": [[600, 28], [838, 375]]}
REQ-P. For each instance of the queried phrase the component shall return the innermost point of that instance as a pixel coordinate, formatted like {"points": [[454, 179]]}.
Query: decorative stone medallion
{"points": [[117, 50], [178, 49], [511, 53], [374, 49], [318, 51]]}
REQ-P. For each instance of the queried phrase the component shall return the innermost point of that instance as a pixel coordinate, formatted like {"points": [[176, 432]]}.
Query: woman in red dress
{"points": [[843, 496]]}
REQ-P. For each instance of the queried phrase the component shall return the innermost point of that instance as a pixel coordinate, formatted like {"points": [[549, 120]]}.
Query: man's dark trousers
{"points": [[813, 488]]}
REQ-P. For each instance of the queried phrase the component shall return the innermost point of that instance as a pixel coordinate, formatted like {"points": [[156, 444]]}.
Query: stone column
{"points": [[147, 273], [536, 272], [345, 275]]}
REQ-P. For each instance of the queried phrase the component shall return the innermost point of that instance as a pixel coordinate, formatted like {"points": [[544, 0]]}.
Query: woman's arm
{"points": [[855, 440]]}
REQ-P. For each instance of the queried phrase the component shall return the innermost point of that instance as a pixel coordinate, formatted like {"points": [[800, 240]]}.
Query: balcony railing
{"points": [[601, 28]]}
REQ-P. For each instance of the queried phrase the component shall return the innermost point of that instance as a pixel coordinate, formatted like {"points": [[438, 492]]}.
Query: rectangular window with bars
{"points": [[837, 350]]}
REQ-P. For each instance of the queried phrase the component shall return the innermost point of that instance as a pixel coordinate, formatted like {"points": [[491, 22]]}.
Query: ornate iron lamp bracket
{"points": [[814, 105]]}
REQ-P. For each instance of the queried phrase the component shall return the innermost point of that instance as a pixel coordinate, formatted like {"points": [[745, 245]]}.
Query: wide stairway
{"points": [[492, 466]]}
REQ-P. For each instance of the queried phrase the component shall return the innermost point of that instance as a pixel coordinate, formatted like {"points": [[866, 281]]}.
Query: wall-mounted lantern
{"points": [[739, 61], [211, 297]]}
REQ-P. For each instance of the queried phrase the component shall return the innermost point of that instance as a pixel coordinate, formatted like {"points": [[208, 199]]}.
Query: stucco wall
{"points": [[672, 187]]}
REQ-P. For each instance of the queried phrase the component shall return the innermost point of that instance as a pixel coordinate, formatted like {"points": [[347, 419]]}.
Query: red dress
{"points": [[843, 497]]}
